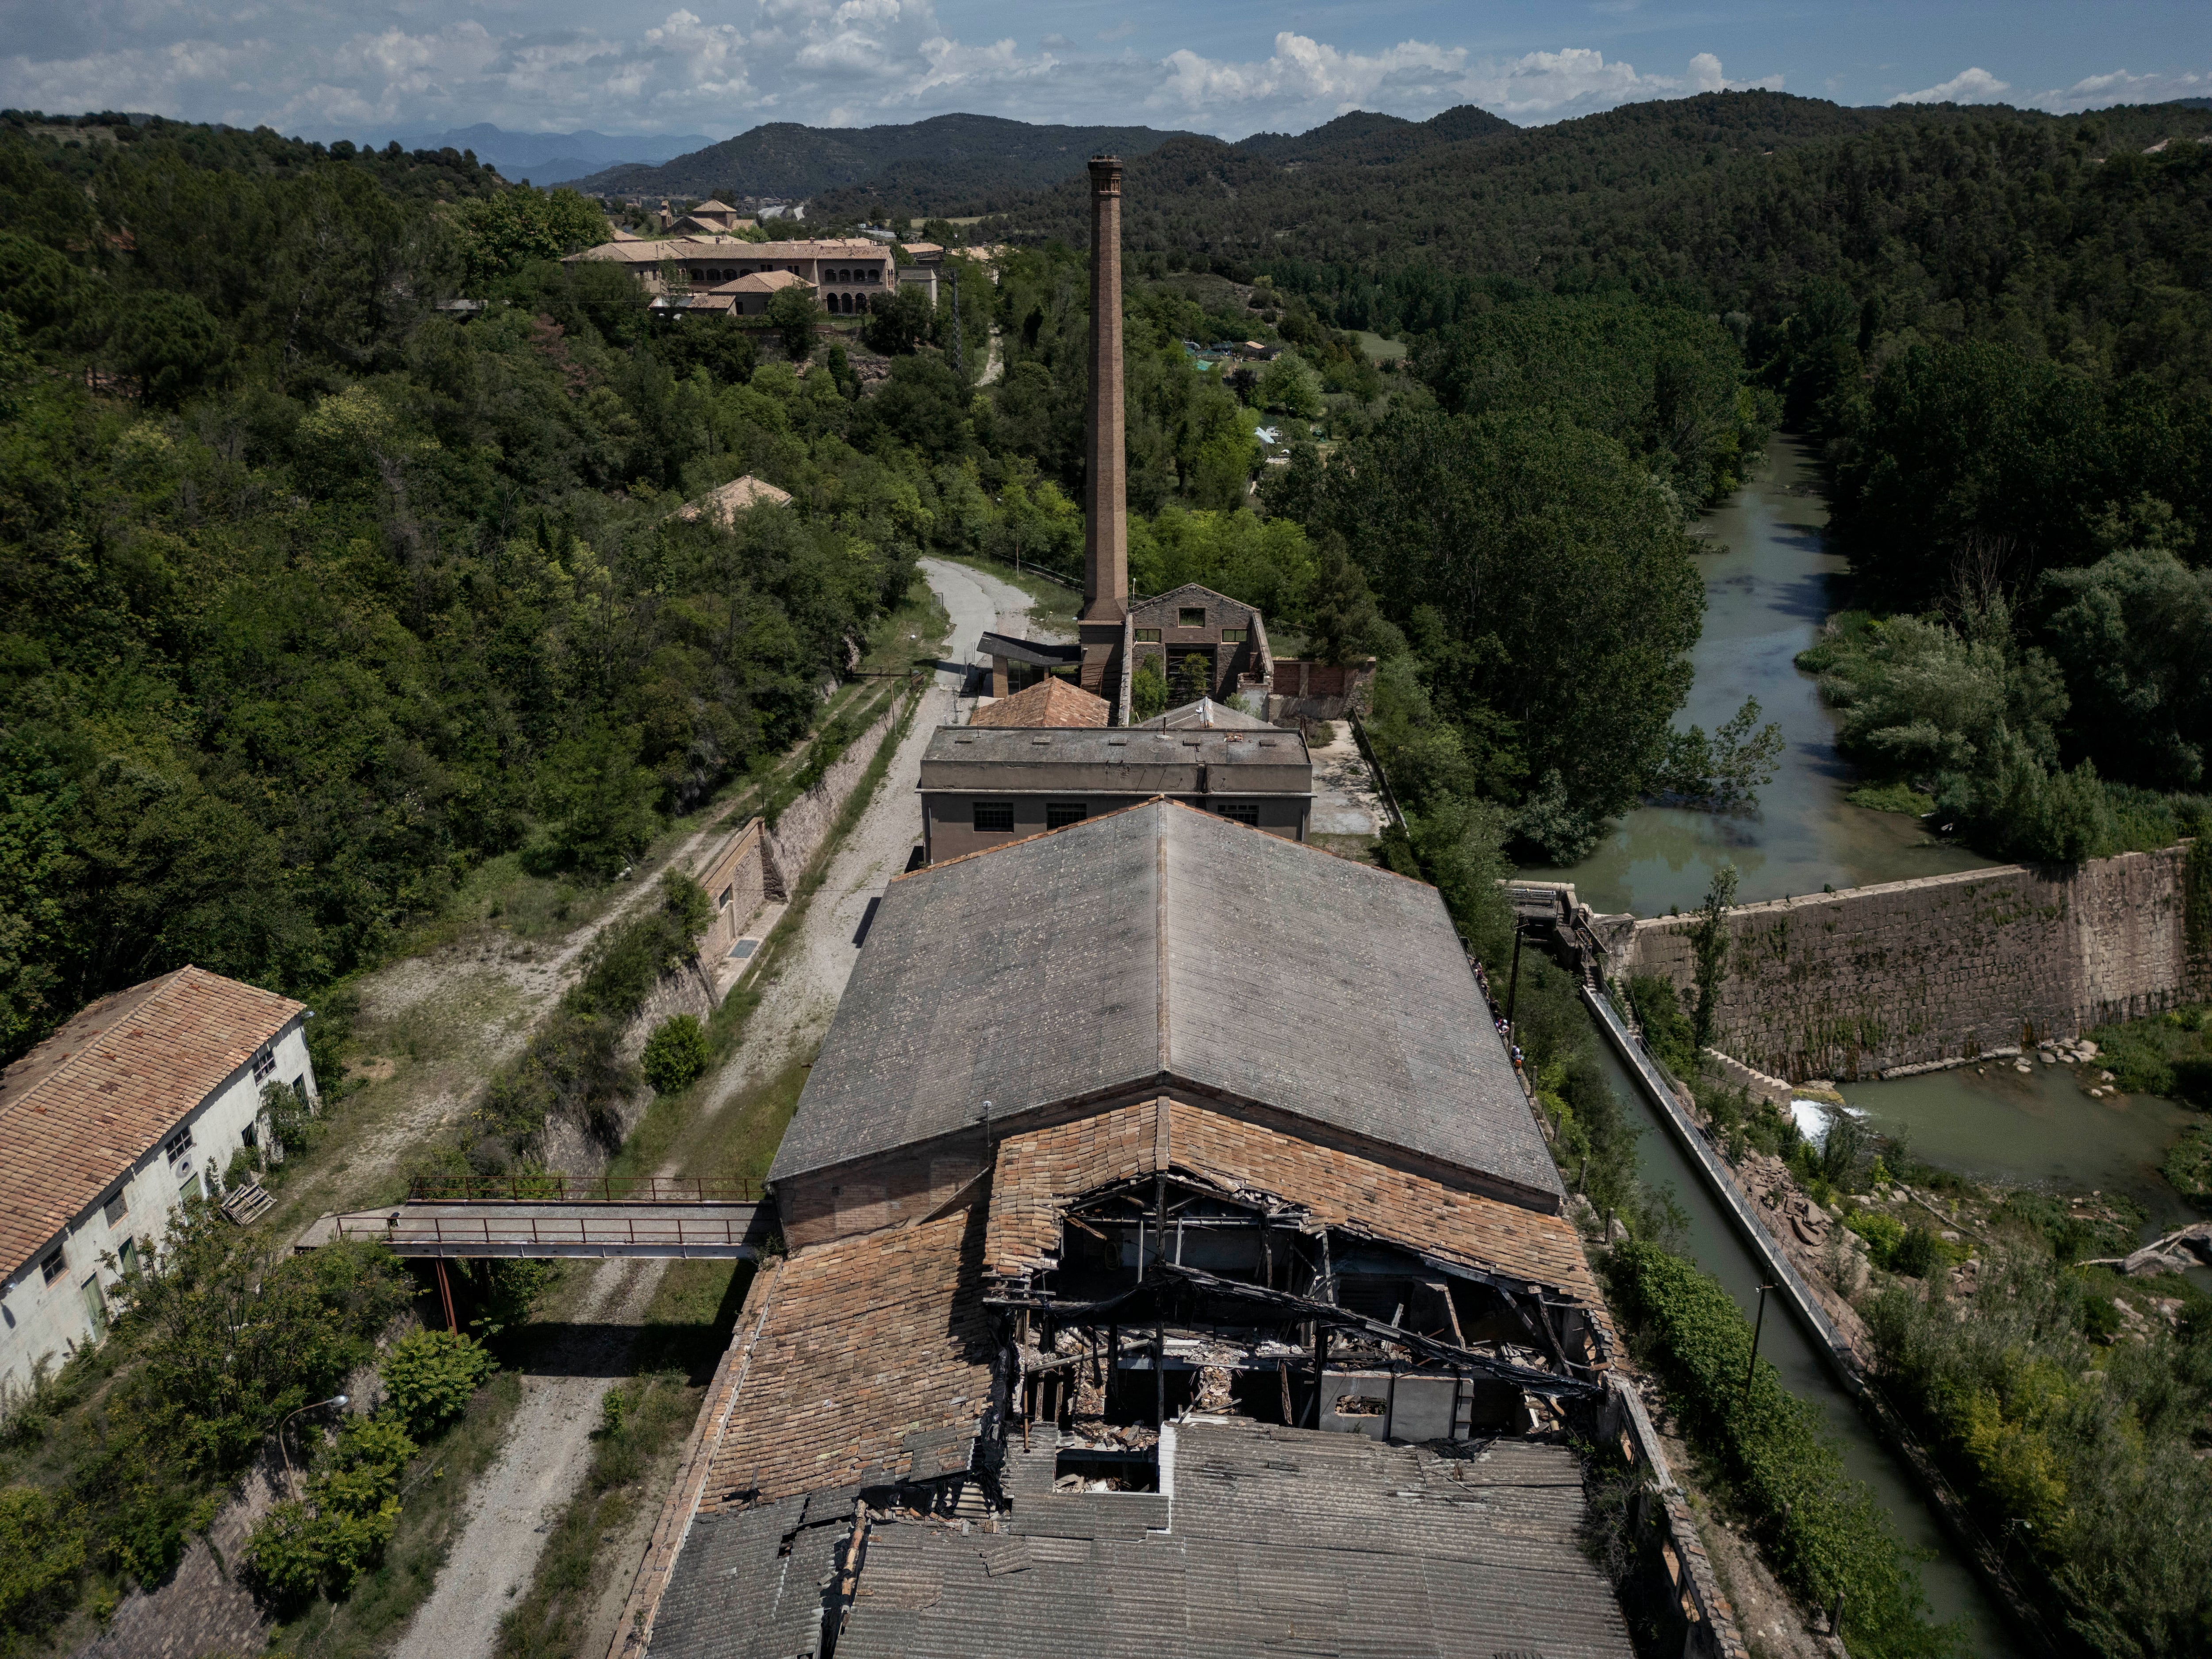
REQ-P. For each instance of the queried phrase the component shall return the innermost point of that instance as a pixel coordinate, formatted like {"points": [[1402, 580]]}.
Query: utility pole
{"points": [[1758, 1325]]}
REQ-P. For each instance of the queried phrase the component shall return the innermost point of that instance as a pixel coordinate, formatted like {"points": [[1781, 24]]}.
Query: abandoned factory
{"points": [[1141, 1295]]}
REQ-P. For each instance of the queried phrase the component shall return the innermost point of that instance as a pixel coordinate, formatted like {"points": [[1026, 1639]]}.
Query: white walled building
{"points": [[106, 1128]]}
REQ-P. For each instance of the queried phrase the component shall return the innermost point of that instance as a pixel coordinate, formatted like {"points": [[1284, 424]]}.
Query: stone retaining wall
{"points": [[1846, 985]]}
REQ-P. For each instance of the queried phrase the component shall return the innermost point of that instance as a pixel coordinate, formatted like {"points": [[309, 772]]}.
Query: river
{"points": [[1768, 583]]}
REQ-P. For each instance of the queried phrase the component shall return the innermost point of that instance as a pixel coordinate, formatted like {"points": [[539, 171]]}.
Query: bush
{"points": [[428, 1377], [1148, 690], [42, 1550], [350, 1514], [1883, 1233], [1666, 1027], [1827, 1534], [676, 1052]]}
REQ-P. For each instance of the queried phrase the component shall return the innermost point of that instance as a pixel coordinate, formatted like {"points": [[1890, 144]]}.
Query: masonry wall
{"points": [[802, 827], [1847, 984]]}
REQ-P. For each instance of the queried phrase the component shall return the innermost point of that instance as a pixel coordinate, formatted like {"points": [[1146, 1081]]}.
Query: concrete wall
{"points": [[39, 1319], [804, 825], [1846, 984]]}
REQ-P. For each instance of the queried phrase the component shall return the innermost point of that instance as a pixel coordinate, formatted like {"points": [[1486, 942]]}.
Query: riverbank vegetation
{"points": [[2070, 1401]]}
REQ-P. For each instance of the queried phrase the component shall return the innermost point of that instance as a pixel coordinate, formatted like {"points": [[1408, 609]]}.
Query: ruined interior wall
{"points": [[1846, 984]]}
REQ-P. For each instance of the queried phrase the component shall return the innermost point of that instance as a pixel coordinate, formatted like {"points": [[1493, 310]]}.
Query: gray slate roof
{"points": [[1206, 714], [1044, 653], [1117, 760], [1160, 943], [736, 1595], [1275, 1541]]}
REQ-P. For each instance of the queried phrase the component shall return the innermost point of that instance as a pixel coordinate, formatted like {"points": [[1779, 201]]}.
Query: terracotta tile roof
{"points": [[1038, 1171], [1049, 703], [855, 1347], [79, 1109], [726, 502]]}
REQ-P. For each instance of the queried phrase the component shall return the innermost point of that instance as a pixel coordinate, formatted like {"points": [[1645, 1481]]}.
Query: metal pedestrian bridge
{"points": [[548, 1217]]}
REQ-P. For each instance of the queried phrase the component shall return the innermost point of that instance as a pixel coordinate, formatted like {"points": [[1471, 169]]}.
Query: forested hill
{"points": [[1526, 202], [944, 160]]}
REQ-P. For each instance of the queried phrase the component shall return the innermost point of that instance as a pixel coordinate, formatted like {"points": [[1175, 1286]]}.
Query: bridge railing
{"points": [[544, 1189], [543, 1232]]}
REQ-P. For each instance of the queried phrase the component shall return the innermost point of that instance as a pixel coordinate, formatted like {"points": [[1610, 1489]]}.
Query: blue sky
{"points": [[1229, 67]]}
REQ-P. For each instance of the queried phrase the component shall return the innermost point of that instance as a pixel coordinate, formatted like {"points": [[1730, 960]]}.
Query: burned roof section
{"points": [[1161, 945]]}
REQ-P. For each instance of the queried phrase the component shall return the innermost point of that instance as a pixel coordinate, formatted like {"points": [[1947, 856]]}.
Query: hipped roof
{"points": [[82, 1107]]}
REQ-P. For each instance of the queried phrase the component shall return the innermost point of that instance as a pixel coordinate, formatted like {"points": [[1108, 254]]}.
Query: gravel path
{"points": [[518, 1500], [548, 1448]]}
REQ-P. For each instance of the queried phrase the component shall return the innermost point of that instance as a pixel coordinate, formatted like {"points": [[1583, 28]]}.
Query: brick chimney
{"points": [[1106, 531]]}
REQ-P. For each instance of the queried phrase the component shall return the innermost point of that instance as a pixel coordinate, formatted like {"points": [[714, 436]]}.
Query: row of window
{"points": [[999, 815], [1229, 636]]}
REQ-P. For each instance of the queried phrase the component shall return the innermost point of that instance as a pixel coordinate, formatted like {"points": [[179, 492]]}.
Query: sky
{"points": [[1231, 67]]}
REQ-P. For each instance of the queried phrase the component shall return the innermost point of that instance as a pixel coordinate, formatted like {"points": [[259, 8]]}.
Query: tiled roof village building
{"points": [[111, 1122]]}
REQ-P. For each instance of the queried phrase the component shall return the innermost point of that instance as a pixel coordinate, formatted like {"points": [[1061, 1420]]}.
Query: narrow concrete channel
{"points": [[1799, 1352]]}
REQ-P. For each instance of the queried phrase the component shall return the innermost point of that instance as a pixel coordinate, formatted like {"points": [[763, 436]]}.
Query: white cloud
{"points": [[2119, 87], [1973, 86], [724, 66], [1575, 82]]}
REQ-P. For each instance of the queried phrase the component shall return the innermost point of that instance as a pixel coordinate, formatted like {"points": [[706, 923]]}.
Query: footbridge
{"points": [[546, 1216]]}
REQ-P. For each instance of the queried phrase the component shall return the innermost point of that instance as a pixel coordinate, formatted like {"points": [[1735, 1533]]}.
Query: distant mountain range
{"points": [[926, 166], [548, 158]]}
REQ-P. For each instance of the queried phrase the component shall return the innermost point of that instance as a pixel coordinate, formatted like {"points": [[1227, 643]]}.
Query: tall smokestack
{"points": [[1106, 534]]}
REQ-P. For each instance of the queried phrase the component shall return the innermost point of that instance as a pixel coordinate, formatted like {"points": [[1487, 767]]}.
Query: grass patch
{"points": [[2170, 1054], [2189, 1166], [1892, 798]]}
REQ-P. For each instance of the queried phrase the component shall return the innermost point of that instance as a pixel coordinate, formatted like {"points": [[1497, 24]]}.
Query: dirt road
{"points": [[549, 1449]]}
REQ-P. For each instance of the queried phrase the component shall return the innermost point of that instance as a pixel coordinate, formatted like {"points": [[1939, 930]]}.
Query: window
{"points": [[265, 1063], [994, 815], [1059, 814], [246, 1135], [52, 1266], [728, 893], [1191, 616], [1148, 636], [117, 1207], [96, 1305], [177, 1144], [1239, 811], [1233, 636], [126, 1258]]}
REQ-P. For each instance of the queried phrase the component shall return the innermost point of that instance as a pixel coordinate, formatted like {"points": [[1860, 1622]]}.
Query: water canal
{"points": [[1953, 1590]]}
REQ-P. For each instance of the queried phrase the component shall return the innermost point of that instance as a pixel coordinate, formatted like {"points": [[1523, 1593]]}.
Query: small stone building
{"points": [[982, 787], [132, 1107], [1207, 644]]}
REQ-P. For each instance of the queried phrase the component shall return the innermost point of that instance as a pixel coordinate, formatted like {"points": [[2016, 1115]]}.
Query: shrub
{"points": [[1148, 690], [1828, 1535], [1666, 1027], [42, 1550], [1883, 1233], [1917, 1253], [676, 1052], [428, 1377], [340, 1532]]}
